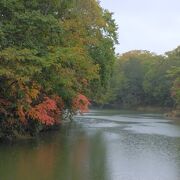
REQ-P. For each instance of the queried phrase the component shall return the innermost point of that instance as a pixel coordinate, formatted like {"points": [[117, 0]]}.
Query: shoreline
{"points": [[166, 111]]}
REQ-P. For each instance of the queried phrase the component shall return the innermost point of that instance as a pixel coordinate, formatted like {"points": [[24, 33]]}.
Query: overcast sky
{"points": [[152, 25]]}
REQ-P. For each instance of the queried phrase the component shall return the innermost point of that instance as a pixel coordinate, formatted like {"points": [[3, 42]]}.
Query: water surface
{"points": [[101, 145]]}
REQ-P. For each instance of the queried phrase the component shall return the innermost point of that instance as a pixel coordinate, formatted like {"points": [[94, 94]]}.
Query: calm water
{"points": [[101, 145]]}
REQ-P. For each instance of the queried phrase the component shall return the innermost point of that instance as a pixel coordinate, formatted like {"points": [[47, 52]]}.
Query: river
{"points": [[100, 145]]}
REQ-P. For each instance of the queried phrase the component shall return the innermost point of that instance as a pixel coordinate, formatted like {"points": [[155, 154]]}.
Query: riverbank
{"points": [[166, 111], [15, 136], [174, 114]]}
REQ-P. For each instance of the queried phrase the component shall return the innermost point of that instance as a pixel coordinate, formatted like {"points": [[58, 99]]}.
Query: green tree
{"points": [[51, 51], [140, 79]]}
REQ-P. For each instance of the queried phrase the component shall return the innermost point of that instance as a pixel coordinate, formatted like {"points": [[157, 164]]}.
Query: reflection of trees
{"points": [[68, 155], [38, 163], [85, 157], [29, 161], [97, 161]]}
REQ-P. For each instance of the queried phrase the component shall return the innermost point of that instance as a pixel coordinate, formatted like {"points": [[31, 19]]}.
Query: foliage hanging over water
{"points": [[52, 54]]}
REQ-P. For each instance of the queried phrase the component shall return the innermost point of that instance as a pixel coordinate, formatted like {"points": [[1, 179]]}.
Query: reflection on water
{"points": [[103, 145]]}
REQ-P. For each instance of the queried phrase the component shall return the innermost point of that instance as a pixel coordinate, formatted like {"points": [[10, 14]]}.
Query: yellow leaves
{"points": [[31, 92], [34, 91]]}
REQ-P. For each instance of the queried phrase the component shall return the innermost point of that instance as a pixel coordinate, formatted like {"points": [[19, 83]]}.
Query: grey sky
{"points": [[152, 25]]}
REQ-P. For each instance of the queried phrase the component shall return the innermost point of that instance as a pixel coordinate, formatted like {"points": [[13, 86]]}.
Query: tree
{"points": [[174, 74], [51, 52], [140, 79]]}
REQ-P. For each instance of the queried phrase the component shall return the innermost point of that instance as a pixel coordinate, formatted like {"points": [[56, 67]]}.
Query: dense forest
{"points": [[142, 78], [58, 56], [53, 54]]}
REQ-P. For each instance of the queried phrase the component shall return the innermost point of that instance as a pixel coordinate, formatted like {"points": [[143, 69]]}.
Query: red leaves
{"points": [[45, 112], [32, 106], [49, 111], [81, 103], [21, 114]]}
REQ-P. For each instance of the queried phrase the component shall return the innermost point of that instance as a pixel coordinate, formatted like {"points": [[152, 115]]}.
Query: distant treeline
{"points": [[142, 78]]}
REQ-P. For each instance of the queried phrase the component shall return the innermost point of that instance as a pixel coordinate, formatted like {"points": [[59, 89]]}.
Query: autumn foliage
{"points": [[44, 111], [47, 112], [80, 103], [52, 54]]}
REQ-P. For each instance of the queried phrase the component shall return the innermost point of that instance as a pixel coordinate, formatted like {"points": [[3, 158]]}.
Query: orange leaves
{"points": [[31, 105], [34, 105], [33, 93], [81, 103], [21, 114], [45, 112]]}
